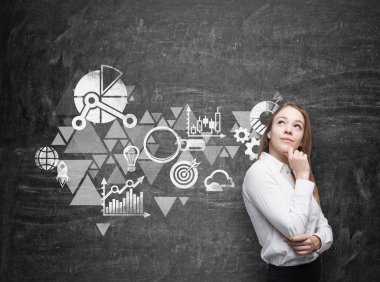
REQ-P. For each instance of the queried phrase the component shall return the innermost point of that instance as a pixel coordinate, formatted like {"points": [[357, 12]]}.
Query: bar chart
{"points": [[130, 204], [123, 202]]}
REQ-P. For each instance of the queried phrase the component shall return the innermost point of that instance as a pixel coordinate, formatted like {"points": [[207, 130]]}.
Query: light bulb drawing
{"points": [[131, 153]]}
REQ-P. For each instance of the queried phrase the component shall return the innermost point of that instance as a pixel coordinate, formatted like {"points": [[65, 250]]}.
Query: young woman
{"points": [[282, 200]]}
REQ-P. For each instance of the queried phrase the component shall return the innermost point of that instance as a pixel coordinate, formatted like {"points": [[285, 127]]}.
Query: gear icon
{"points": [[252, 155], [241, 134]]}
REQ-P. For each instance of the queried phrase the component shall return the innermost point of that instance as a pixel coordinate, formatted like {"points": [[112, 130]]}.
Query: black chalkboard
{"points": [[202, 54]]}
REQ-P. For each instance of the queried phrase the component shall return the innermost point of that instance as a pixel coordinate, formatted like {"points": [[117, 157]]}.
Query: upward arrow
{"points": [[104, 182], [139, 181]]}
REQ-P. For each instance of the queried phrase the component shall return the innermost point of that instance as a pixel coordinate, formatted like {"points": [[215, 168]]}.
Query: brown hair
{"points": [[306, 140]]}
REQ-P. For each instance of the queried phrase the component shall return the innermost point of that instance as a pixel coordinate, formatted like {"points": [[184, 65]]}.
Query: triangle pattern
{"points": [[130, 89], [156, 116], [234, 127], [137, 134], [93, 173], [99, 159], [181, 123], [150, 169], [206, 138], [116, 131], [143, 156], [66, 131], [185, 156], [110, 144], [183, 200], [224, 154], [163, 123], [76, 169], [151, 140], [165, 203], [110, 160], [232, 150], [212, 141], [124, 142], [58, 140], [152, 148], [122, 162], [119, 148], [116, 177], [171, 122], [93, 166], [176, 111], [132, 99], [86, 195], [242, 118], [103, 227], [211, 153], [147, 119], [86, 141]]}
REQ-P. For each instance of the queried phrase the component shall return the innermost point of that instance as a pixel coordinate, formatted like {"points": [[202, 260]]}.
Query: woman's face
{"points": [[287, 130]]}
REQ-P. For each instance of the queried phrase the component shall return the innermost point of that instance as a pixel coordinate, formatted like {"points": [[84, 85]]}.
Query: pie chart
{"points": [[100, 96]]}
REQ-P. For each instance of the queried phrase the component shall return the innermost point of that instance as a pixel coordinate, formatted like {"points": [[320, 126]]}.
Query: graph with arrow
{"points": [[131, 204]]}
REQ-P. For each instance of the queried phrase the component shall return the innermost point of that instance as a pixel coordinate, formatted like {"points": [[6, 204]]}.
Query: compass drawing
{"points": [[101, 96]]}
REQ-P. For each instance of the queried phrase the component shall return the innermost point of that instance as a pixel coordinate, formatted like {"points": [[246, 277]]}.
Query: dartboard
{"points": [[183, 175]]}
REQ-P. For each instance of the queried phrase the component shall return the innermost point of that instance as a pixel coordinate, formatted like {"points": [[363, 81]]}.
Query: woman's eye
{"points": [[280, 122], [299, 126]]}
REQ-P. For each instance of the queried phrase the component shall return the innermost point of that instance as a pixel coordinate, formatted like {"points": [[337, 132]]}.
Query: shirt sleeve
{"points": [[289, 218], [324, 232]]}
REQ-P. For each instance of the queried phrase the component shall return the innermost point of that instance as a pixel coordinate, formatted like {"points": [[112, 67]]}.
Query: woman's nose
{"points": [[288, 129]]}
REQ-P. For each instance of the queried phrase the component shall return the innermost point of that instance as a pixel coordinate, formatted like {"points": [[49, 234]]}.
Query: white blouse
{"points": [[280, 207]]}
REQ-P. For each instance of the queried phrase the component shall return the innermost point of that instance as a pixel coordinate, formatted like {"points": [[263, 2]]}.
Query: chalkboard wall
{"points": [[173, 54]]}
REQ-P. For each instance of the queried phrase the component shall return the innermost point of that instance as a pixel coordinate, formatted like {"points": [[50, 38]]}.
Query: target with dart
{"points": [[184, 174]]}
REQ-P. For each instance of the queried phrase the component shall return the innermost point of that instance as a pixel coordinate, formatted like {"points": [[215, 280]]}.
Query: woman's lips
{"points": [[287, 140]]}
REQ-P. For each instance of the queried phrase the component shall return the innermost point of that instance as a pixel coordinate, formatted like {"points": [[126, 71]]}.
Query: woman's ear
{"points": [[268, 135]]}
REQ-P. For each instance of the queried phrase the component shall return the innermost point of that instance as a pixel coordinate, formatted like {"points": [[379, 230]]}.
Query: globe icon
{"points": [[46, 158]]}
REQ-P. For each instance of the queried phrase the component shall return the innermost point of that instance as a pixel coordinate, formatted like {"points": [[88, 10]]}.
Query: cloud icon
{"points": [[214, 186]]}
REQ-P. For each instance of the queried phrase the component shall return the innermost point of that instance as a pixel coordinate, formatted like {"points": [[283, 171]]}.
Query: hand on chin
{"points": [[286, 149]]}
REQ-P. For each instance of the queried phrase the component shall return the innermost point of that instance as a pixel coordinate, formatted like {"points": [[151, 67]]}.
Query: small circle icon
{"points": [[184, 174], [46, 158]]}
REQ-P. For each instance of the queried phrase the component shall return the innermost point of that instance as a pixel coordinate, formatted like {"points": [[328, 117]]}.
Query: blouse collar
{"points": [[275, 162]]}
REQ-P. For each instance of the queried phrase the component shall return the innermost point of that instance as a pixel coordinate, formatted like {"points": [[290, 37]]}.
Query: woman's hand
{"points": [[304, 244], [298, 163]]}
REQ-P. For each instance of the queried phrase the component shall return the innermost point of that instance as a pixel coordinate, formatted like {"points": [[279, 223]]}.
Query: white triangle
{"points": [[232, 150], [58, 141], [66, 131], [176, 111], [224, 154], [165, 203], [234, 127], [151, 140], [110, 160], [99, 159], [103, 227], [147, 119], [183, 200]]}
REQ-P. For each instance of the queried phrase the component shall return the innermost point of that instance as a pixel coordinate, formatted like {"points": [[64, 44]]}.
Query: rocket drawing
{"points": [[62, 176]]}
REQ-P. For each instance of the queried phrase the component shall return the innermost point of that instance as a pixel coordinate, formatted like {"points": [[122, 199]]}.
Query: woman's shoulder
{"points": [[259, 166]]}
